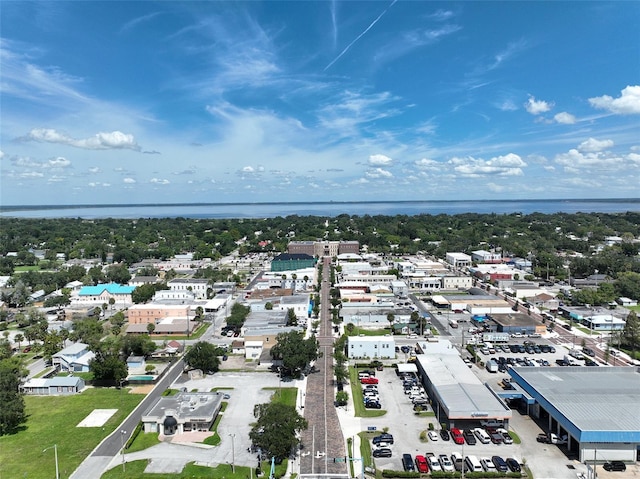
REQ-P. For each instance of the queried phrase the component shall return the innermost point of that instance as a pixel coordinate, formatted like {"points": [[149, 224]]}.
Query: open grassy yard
{"points": [[135, 470], [53, 420]]}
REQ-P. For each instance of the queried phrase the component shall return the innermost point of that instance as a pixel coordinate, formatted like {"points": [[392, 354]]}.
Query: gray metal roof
{"points": [[460, 391], [592, 399]]}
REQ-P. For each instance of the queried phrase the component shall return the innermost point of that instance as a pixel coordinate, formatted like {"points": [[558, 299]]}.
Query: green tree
{"points": [[118, 274], [292, 319], [108, 367], [204, 356], [138, 345], [342, 398], [18, 338], [268, 306], [151, 327], [631, 333], [391, 318], [627, 284], [12, 412], [277, 429], [294, 351]]}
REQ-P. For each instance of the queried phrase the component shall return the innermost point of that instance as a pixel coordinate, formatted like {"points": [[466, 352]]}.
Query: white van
{"points": [[473, 464]]}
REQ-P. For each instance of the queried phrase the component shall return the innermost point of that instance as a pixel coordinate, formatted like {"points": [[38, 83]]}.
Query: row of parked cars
{"points": [[414, 390], [443, 463], [369, 384], [528, 347], [484, 435]]}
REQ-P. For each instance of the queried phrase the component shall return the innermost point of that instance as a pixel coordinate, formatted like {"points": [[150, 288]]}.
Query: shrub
{"points": [[392, 473]]}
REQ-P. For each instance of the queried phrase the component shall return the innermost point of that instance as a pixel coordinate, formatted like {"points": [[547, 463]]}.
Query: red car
{"points": [[421, 464], [369, 380], [457, 436]]}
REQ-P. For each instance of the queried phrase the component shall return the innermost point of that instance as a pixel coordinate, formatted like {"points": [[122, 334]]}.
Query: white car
{"points": [[482, 435], [446, 463], [434, 464], [487, 464], [433, 436]]}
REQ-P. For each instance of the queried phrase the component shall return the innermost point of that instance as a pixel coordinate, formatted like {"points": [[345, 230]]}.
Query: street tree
{"points": [[151, 327], [12, 412], [277, 429], [631, 333], [138, 345], [204, 356], [292, 319], [294, 351]]}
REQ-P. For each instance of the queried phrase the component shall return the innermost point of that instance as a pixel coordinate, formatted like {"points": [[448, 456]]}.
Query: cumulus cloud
{"points": [[380, 160], [98, 184], [59, 162], [94, 170], [378, 173], [565, 118], [1, 154], [536, 107], [128, 180], [508, 165], [628, 103], [159, 181], [248, 169], [114, 140], [426, 164], [592, 145]]}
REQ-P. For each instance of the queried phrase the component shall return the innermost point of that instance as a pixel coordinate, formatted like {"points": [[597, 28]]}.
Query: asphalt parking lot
{"points": [[546, 461], [246, 390]]}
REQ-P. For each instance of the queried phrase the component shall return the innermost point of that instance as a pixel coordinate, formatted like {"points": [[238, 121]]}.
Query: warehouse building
{"points": [[459, 398], [597, 408]]}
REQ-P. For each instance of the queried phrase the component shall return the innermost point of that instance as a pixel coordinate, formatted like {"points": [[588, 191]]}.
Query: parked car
{"points": [[421, 464], [407, 462], [373, 405], [496, 437], [615, 466], [469, 437], [382, 452], [445, 463], [384, 437], [487, 464], [444, 434], [513, 464], [506, 437], [501, 465], [482, 435], [434, 464], [458, 462], [457, 436], [433, 436], [369, 380]]}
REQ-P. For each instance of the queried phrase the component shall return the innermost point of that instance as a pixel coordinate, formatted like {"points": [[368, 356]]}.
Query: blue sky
{"points": [[147, 102]]}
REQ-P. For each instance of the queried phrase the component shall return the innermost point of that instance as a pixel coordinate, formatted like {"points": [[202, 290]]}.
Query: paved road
{"points": [[98, 461], [324, 434]]}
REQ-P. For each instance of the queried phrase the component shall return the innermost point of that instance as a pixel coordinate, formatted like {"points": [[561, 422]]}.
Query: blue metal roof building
{"points": [[111, 288], [597, 408]]}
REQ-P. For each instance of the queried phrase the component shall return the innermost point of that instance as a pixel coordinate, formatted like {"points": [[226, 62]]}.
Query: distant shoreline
{"points": [[9, 208], [238, 210]]}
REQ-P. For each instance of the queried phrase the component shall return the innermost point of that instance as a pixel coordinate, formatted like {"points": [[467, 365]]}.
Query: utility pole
{"points": [[55, 455], [233, 453]]}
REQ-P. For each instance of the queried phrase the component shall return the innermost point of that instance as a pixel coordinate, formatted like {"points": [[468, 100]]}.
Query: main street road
{"points": [[103, 455]]}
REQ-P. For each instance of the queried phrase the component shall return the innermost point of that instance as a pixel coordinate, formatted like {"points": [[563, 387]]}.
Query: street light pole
{"points": [[122, 434], [233, 453], [55, 455]]}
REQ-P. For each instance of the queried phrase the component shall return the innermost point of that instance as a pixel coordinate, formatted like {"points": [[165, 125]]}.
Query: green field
{"points": [[52, 420]]}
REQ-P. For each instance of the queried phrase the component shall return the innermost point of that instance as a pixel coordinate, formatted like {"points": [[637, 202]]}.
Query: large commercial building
{"points": [[371, 347], [597, 408], [459, 398], [323, 248]]}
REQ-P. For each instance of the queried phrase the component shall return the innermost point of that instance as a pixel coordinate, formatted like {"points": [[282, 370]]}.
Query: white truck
{"points": [[492, 366], [495, 337], [453, 323]]}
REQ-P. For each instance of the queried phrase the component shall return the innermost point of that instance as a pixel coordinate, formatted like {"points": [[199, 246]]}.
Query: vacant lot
{"points": [[53, 420]]}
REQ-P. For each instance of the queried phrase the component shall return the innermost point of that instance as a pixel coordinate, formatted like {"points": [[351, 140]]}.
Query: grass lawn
{"points": [[135, 470], [199, 331], [52, 420], [143, 441], [367, 332], [286, 396]]}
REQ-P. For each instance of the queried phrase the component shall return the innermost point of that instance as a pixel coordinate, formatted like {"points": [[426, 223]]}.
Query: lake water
{"points": [[330, 209]]}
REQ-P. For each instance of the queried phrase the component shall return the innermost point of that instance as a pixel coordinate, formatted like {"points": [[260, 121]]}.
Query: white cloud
{"points": [[1, 154], [508, 165], [59, 162], [159, 181], [248, 169], [99, 184], [427, 164], [592, 145], [380, 160], [94, 170], [100, 141], [565, 118], [128, 180], [628, 103], [535, 107], [378, 173]]}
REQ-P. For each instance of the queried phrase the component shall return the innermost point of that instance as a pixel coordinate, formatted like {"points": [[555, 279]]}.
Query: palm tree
{"points": [[391, 318], [18, 339]]}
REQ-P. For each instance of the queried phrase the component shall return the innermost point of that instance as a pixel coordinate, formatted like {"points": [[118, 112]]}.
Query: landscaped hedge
{"points": [[392, 473], [471, 475], [136, 431]]}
